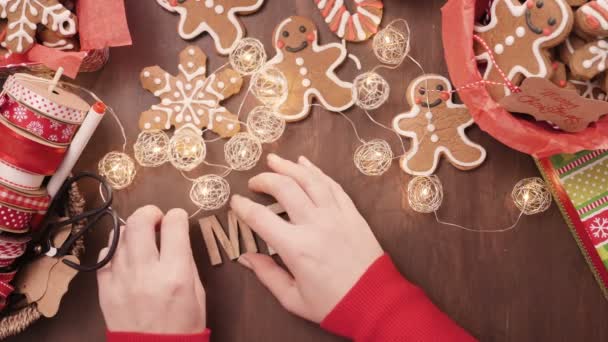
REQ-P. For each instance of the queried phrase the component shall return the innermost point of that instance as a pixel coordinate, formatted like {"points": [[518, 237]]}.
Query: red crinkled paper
{"points": [[101, 24], [534, 138]]}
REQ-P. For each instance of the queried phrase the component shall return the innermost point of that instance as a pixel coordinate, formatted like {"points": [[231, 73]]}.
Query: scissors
{"points": [[42, 244]]}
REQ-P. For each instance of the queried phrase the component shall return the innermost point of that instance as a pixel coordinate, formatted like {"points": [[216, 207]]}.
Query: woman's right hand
{"points": [[327, 245]]}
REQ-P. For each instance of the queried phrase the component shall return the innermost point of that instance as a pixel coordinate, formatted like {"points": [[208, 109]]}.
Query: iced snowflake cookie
{"points": [[309, 69], [354, 27], [217, 17], [518, 37], [25, 15], [191, 99], [436, 127], [589, 60]]}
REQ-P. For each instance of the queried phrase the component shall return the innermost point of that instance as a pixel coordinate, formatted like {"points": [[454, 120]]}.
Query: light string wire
{"points": [[502, 230]]}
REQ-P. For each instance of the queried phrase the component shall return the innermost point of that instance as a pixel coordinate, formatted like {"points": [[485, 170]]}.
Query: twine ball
{"points": [[152, 148], [370, 90], [265, 124], [374, 157], [531, 196], [392, 44], [210, 192], [269, 86], [118, 169], [425, 194], [248, 56], [187, 149], [242, 151]]}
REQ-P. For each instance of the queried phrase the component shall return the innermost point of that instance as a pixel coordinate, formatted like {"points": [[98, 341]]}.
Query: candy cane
{"points": [[354, 27]]}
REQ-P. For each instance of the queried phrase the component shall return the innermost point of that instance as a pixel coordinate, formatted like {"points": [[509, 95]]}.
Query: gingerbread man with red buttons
{"points": [[514, 45], [309, 69]]}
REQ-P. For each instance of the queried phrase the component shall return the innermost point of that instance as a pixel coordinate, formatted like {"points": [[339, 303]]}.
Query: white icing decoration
{"points": [[204, 26], [146, 74], [233, 80], [342, 28], [358, 28], [157, 119], [334, 10], [439, 150], [219, 118], [230, 127], [430, 128], [600, 53], [519, 10], [306, 82], [147, 125], [176, 94], [590, 88], [219, 9], [220, 85], [499, 49], [192, 75], [209, 3], [329, 73], [429, 115], [188, 118], [157, 81], [374, 18], [434, 138], [510, 40], [191, 52], [303, 71], [190, 65], [61, 44], [166, 88]]}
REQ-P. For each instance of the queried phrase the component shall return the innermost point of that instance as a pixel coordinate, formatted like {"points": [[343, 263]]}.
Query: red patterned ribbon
{"points": [[14, 220], [33, 201], [10, 250], [37, 124], [6, 262], [28, 154]]}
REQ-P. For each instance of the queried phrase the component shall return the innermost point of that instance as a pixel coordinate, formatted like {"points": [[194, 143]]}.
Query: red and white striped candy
{"points": [[354, 27]]}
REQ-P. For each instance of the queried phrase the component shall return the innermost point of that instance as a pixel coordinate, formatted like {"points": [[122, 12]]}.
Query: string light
{"points": [[269, 86], [531, 196], [118, 169], [151, 148], [370, 90], [392, 44], [187, 149], [248, 56], [265, 124], [425, 194], [210, 192], [374, 157], [242, 151]]}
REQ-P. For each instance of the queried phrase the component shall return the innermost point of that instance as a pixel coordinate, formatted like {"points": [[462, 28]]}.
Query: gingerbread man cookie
{"points": [[25, 15], [191, 99], [217, 17], [591, 19], [309, 69], [436, 127], [518, 37]]}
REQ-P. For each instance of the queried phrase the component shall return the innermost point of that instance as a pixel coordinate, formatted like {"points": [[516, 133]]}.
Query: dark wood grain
{"points": [[528, 285]]}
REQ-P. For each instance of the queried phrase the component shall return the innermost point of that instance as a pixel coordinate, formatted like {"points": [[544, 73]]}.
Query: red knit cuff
{"points": [[383, 306], [139, 337]]}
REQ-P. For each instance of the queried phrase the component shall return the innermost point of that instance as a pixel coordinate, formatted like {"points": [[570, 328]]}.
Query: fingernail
{"points": [[272, 157], [245, 263]]}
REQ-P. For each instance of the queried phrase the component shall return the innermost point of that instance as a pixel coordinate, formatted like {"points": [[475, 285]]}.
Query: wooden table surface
{"points": [[531, 284]]}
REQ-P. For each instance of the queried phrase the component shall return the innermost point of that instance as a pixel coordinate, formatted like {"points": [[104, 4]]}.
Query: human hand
{"points": [[327, 245], [145, 290]]}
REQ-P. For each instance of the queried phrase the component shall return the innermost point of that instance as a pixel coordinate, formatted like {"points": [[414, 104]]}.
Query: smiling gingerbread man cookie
{"points": [[309, 69], [518, 38], [436, 127]]}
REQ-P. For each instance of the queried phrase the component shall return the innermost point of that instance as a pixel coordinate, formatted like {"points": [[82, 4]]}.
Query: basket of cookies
{"points": [[43, 35], [533, 73]]}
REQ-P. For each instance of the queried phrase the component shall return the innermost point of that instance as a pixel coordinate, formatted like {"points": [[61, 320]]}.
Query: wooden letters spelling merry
{"points": [[212, 230]]}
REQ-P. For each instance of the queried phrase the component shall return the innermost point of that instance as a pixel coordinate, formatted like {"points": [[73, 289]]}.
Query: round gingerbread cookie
{"points": [[436, 126], [53, 40], [577, 3], [590, 60], [216, 17], [354, 27], [592, 19], [518, 37]]}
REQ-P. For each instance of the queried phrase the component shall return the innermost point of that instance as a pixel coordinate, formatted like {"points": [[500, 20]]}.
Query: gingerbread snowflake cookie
{"points": [[518, 37], [25, 15], [191, 99], [309, 69], [436, 127], [216, 17]]}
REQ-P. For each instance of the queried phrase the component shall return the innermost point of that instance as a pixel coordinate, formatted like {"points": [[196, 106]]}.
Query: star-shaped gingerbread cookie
{"points": [[436, 127], [25, 15], [191, 99], [216, 17]]}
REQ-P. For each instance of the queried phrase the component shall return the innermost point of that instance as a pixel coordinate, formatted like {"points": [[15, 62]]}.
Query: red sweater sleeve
{"points": [[137, 337], [384, 307]]}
